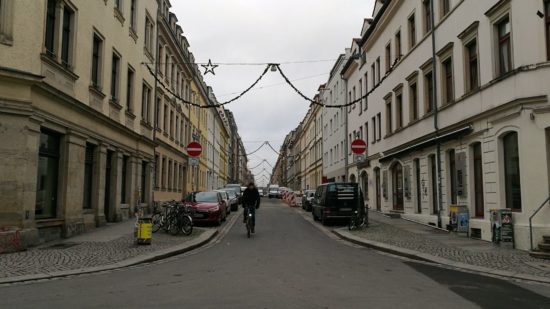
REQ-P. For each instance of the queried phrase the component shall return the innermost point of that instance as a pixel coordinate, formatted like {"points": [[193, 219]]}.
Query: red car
{"points": [[208, 207]]}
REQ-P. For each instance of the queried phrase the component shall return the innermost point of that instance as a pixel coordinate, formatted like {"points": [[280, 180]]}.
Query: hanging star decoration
{"points": [[209, 68]]}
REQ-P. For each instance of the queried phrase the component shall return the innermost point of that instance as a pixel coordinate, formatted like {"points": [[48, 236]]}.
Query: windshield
{"points": [[206, 197]]}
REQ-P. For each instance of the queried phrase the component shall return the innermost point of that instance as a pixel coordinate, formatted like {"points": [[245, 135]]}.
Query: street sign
{"points": [[359, 158], [358, 146], [194, 149], [193, 161]]}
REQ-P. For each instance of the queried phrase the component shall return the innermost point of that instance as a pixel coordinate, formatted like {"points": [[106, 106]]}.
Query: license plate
{"points": [[345, 209], [199, 215]]}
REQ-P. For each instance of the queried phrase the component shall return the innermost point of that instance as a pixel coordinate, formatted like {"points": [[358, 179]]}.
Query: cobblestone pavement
{"points": [[102, 247], [409, 235]]}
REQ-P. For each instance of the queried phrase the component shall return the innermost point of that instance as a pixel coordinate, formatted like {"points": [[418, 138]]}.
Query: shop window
{"points": [[512, 171], [47, 175]]}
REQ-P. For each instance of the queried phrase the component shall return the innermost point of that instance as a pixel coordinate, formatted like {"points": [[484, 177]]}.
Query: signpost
{"points": [[194, 149], [193, 161]]}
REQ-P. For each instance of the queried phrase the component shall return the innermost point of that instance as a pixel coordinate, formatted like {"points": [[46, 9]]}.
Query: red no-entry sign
{"points": [[194, 149], [358, 146]]}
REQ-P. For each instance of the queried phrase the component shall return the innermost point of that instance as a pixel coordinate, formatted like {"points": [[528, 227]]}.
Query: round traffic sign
{"points": [[194, 149], [358, 146]]}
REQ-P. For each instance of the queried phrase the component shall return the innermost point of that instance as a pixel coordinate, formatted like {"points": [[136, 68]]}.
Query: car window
{"points": [[206, 197]]}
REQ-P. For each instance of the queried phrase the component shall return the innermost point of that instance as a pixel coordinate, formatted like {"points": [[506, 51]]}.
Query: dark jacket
{"points": [[251, 197]]}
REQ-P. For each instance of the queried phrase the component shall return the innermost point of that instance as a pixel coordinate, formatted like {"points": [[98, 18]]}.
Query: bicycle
{"points": [[174, 219], [249, 222], [358, 220]]}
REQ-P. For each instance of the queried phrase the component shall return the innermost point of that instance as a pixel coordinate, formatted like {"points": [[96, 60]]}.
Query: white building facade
{"points": [[483, 141], [334, 124]]}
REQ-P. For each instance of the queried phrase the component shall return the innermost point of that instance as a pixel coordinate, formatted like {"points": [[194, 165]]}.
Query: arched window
{"points": [[512, 179]]}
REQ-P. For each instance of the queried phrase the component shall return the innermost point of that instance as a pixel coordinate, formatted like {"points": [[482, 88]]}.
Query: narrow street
{"points": [[289, 263]]}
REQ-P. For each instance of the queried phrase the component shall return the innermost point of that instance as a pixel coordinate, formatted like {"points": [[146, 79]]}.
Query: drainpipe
{"points": [[155, 107], [436, 119]]}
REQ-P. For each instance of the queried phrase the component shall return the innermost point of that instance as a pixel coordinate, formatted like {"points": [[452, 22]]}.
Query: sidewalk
{"points": [[105, 248], [417, 241]]}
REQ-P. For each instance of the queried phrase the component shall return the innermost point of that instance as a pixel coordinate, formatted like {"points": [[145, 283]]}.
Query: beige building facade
{"points": [[75, 102]]}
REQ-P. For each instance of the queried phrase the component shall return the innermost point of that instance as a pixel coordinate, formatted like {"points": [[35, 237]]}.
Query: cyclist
{"points": [[251, 202]]}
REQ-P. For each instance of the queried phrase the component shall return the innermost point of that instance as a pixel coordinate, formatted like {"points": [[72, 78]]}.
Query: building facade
{"points": [[455, 113], [75, 100]]}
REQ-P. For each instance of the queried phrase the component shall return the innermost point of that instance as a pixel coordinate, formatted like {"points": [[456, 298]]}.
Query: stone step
{"points": [[546, 239], [540, 255], [544, 247]]}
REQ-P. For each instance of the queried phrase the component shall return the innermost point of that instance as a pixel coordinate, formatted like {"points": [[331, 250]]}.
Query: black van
{"points": [[336, 201]]}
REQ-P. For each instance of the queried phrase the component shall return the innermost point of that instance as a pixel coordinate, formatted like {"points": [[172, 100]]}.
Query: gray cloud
{"points": [[269, 31]]}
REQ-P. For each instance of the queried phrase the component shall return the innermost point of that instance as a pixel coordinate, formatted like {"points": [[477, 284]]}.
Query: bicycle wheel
{"points": [[174, 228], [248, 228], [186, 226], [352, 224], [157, 222]]}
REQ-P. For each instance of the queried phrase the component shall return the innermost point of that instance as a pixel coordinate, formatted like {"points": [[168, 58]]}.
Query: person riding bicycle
{"points": [[251, 202]]}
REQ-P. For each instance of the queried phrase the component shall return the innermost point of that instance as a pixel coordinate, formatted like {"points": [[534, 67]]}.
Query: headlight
{"points": [[214, 209]]}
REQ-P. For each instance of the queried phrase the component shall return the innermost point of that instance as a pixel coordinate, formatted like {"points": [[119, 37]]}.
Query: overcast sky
{"points": [[271, 31]]}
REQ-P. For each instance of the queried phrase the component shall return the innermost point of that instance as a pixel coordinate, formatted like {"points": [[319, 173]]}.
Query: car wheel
{"points": [[219, 221], [314, 216]]}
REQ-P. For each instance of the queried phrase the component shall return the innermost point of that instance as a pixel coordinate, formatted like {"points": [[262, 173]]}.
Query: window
{"points": [[398, 45], [389, 124], [448, 95], [165, 122], [452, 176], [388, 58], [379, 121], [366, 91], [472, 67], [130, 89], [445, 7], [6, 24], [115, 68], [512, 171], [157, 112], [118, 5], [171, 123], [418, 185], [373, 74], [66, 38], [367, 133], [88, 175], [504, 46], [373, 121], [163, 174], [547, 27], [399, 111], [377, 70], [427, 15], [360, 96], [144, 167], [412, 32], [478, 181], [170, 176], [149, 34], [124, 177], [145, 102], [433, 182], [133, 14], [157, 171], [96, 61], [47, 175], [50, 27], [428, 92], [413, 101]]}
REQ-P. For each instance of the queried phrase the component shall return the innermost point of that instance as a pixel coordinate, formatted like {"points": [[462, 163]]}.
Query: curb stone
{"points": [[419, 256], [200, 241]]}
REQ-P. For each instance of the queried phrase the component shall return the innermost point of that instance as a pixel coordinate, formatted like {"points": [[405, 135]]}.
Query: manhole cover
{"points": [[64, 245]]}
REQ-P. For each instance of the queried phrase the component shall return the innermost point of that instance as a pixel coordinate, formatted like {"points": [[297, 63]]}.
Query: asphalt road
{"points": [[289, 263]]}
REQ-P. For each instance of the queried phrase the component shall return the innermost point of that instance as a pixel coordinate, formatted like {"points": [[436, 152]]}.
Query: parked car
{"points": [[307, 199], [336, 201], [237, 188], [273, 193], [208, 207], [233, 198], [226, 201], [261, 191]]}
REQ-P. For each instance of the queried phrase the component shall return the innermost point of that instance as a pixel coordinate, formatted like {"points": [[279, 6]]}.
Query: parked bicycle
{"points": [[358, 220], [174, 218]]}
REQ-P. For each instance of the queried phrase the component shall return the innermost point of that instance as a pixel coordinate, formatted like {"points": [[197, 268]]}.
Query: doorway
{"points": [[108, 174], [377, 181], [397, 187]]}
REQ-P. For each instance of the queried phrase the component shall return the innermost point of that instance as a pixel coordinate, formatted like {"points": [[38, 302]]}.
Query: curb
{"points": [[419, 256], [200, 241]]}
